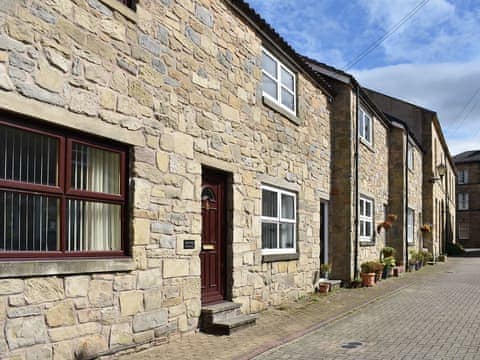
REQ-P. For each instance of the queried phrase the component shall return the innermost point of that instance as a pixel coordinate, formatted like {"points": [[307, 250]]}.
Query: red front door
{"points": [[212, 254]]}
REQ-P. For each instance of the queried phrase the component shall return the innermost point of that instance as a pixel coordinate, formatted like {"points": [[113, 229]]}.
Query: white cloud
{"points": [[439, 31], [445, 88]]}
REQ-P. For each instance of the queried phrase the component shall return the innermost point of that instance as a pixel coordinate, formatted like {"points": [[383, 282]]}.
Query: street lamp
{"points": [[442, 171]]}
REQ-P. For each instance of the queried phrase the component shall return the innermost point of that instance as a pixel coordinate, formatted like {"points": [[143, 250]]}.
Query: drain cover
{"points": [[351, 345]]}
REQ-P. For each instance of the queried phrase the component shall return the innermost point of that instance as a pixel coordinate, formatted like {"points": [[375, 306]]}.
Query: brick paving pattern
{"points": [[279, 325], [436, 318]]}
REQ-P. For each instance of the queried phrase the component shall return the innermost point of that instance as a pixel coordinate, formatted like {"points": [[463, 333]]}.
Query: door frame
{"points": [[222, 251], [324, 236]]}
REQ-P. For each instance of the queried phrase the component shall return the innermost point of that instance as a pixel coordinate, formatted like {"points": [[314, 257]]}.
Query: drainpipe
{"points": [[405, 216], [357, 208]]}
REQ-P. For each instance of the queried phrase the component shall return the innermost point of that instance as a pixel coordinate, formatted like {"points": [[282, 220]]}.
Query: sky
{"points": [[432, 60]]}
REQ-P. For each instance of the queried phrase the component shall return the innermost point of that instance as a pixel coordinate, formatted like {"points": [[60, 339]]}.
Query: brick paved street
{"points": [[436, 318], [280, 325]]}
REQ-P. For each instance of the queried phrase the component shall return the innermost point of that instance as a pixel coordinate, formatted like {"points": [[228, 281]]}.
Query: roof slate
{"points": [[467, 156]]}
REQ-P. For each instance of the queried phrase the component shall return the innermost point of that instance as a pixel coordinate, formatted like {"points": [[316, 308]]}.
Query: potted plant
{"points": [[323, 287], [420, 259], [387, 224], [325, 270], [426, 228], [378, 270], [388, 251], [368, 273], [389, 264], [412, 261]]}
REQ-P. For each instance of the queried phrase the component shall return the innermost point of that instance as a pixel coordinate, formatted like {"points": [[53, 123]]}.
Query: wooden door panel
{"points": [[213, 236]]}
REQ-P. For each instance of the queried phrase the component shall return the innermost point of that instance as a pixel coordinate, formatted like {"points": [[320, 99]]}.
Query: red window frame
{"points": [[64, 191]]}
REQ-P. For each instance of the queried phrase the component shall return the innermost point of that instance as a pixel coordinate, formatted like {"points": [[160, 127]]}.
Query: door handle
{"points": [[208, 247]]}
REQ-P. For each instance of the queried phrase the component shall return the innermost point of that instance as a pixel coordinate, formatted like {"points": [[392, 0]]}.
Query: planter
{"points": [[368, 279], [411, 267], [387, 272], [324, 288]]}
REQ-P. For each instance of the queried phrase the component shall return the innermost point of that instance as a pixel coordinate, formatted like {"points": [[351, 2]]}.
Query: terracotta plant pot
{"points": [[323, 288], [368, 279]]}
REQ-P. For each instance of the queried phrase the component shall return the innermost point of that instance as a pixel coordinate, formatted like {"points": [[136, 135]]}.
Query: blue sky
{"points": [[433, 60]]}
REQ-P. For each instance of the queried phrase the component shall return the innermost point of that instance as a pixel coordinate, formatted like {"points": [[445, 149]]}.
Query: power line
{"points": [[467, 114], [377, 43]]}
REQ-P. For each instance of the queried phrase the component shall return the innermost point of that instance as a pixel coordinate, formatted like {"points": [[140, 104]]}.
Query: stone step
{"points": [[229, 326], [224, 318], [219, 312]]}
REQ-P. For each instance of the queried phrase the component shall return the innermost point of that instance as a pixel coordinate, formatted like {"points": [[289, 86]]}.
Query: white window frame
{"points": [[411, 157], [279, 220], [463, 177], [366, 219], [463, 201], [410, 226], [280, 86], [363, 114], [464, 231]]}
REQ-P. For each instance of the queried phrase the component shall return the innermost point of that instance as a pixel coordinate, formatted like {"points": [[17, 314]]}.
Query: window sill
{"points": [[275, 107], [368, 145], [20, 268], [279, 257], [122, 9], [367, 243], [411, 244]]}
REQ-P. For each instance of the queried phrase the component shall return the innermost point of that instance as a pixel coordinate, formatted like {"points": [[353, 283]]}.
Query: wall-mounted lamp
{"points": [[441, 171]]}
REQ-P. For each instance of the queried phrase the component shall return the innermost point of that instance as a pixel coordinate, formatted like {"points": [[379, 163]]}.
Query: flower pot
{"points": [[324, 288], [368, 279], [411, 267]]}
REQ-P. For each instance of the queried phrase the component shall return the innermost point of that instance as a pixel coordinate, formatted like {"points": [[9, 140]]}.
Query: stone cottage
{"points": [[406, 190], [158, 158], [360, 176], [439, 174]]}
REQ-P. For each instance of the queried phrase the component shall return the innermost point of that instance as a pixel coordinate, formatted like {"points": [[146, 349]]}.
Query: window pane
{"points": [[368, 228], [269, 235], [95, 169], [28, 222], [93, 226], [28, 157], [287, 236], [287, 79], [269, 203], [362, 228], [287, 99], [367, 128], [269, 86], [362, 207], [288, 207], [269, 65], [368, 208]]}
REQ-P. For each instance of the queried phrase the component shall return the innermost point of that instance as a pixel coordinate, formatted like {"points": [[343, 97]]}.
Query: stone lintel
{"points": [[39, 110]]}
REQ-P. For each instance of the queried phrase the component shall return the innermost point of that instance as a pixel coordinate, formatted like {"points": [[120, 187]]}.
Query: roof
{"points": [[410, 133], [467, 156], [331, 72], [270, 34], [435, 120]]}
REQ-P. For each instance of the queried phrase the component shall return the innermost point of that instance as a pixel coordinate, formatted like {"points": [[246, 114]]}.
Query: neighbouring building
{"points": [[439, 172], [359, 199], [406, 190], [161, 157], [468, 198]]}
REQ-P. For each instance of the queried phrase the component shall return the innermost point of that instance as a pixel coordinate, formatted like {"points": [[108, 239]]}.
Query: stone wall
{"points": [[415, 196], [180, 82], [374, 182]]}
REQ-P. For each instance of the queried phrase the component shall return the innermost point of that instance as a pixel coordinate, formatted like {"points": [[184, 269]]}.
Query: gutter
{"points": [[357, 197]]}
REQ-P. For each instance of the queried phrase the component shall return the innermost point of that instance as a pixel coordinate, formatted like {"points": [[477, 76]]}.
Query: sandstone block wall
{"points": [[180, 81]]}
